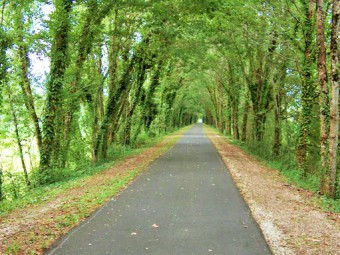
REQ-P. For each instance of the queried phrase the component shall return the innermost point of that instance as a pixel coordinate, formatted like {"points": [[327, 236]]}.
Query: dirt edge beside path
{"points": [[290, 221], [35, 228]]}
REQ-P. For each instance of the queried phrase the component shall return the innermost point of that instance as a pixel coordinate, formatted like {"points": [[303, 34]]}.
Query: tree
{"points": [[4, 44], [59, 62], [308, 87], [23, 52], [334, 104], [18, 137], [323, 80]]}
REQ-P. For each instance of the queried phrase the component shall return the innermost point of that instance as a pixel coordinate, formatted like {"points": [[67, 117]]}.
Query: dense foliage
{"points": [[79, 79]]}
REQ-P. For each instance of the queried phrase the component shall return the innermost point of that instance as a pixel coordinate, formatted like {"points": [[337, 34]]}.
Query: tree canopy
{"points": [[79, 78]]}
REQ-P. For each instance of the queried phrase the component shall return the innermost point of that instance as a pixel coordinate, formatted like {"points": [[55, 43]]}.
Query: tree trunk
{"points": [[112, 109], [235, 119], [260, 92], [25, 83], [334, 104], [259, 126], [323, 97], [135, 100], [97, 108], [113, 55], [277, 126], [229, 118], [93, 18], [221, 105], [97, 112], [27, 92], [308, 90], [4, 44], [214, 101], [149, 108], [279, 96], [323, 79], [117, 120], [59, 59], [180, 118], [245, 121], [17, 134]]}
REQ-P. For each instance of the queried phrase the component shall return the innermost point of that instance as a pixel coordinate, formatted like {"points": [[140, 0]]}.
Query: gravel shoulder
{"points": [[291, 222]]}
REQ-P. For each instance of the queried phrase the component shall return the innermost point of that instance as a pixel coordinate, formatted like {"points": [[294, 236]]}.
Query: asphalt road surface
{"points": [[185, 203]]}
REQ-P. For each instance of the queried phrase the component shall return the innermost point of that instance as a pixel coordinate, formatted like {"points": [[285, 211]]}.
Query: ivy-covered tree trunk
{"points": [[261, 88], [170, 97], [141, 76], [334, 104], [119, 52], [114, 52], [234, 94], [97, 107], [137, 70], [220, 98], [112, 109], [323, 97], [118, 118], [179, 120], [235, 116], [245, 121], [93, 19], [229, 118], [149, 108], [4, 44], [279, 96], [208, 119], [260, 93], [308, 88], [59, 62], [277, 127], [215, 102]]}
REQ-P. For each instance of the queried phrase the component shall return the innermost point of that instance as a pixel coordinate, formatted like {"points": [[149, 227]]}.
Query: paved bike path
{"points": [[185, 203]]}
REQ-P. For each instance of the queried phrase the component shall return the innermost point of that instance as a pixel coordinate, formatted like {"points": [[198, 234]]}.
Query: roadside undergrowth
{"points": [[52, 211], [72, 178], [293, 176]]}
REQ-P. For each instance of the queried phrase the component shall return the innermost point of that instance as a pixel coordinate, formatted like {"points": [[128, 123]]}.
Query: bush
{"points": [[142, 138]]}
